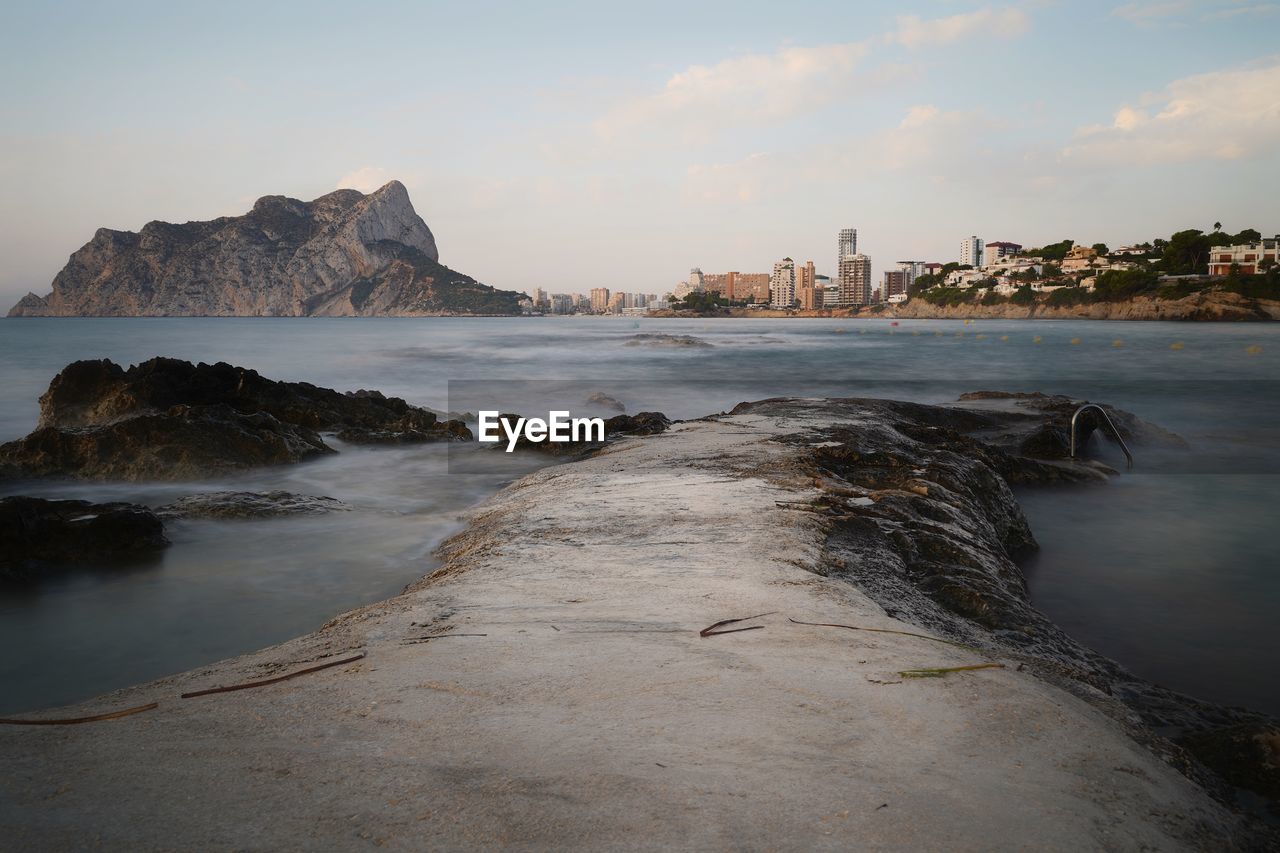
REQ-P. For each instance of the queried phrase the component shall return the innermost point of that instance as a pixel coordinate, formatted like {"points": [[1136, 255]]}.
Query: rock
{"points": [[1217, 305], [641, 423], [38, 534], [170, 419], [184, 442], [604, 401], [249, 505], [343, 254], [655, 339]]}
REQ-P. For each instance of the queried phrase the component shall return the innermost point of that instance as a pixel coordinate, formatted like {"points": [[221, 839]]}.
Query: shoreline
{"points": [[588, 712]]}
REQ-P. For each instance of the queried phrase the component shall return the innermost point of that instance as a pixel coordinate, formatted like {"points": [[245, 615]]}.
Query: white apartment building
{"points": [[847, 243], [782, 284], [1250, 256], [971, 251], [996, 250]]}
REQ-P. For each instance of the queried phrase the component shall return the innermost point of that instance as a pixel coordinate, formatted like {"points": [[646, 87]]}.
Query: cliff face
{"points": [[343, 254]]}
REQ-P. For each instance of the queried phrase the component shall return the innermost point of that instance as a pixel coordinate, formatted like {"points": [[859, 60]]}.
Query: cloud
{"points": [[745, 89], [1255, 10], [366, 179], [916, 32], [1150, 14], [1223, 115]]}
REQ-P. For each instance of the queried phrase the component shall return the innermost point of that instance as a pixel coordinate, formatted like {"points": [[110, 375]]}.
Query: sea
{"points": [[1172, 568]]}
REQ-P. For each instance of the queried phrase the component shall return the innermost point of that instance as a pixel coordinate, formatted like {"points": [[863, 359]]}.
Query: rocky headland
{"points": [[796, 625], [167, 419], [344, 254]]}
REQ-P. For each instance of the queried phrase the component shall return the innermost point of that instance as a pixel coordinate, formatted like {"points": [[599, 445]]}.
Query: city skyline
{"points": [[725, 135]]}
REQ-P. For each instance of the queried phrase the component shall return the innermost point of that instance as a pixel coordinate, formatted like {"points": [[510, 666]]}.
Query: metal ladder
{"points": [[1107, 420]]}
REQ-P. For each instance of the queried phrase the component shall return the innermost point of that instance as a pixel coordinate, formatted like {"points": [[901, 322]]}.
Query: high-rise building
{"points": [[695, 279], [807, 292], [911, 270], [971, 251], [895, 282], [847, 243], [599, 299], [617, 302], [854, 275], [730, 285], [782, 284], [998, 249]]}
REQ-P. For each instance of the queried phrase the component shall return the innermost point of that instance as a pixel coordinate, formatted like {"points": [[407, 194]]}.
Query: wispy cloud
{"points": [[1151, 14], [1254, 10], [1223, 115], [751, 88], [916, 32]]}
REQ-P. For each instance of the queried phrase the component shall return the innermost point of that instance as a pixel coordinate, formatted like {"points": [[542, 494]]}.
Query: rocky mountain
{"points": [[344, 254]]}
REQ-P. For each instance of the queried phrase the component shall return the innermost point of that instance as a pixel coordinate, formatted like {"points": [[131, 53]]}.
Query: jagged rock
{"points": [[170, 419], [38, 534], [659, 339], [343, 254], [184, 442], [604, 401], [249, 505]]}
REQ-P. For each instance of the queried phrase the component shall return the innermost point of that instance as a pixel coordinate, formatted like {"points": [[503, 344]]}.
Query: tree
{"points": [[1101, 249], [1023, 296], [1119, 285], [1187, 253], [1052, 252], [1217, 226]]}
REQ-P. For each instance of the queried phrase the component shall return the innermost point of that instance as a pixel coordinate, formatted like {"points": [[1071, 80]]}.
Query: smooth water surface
{"points": [[1172, 569]]}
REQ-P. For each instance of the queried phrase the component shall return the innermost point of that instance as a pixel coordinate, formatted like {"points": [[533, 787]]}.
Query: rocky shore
{"points": [[570, 677], [1210, 305]]}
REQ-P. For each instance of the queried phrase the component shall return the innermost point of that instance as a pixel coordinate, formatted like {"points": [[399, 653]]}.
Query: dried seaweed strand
{"points": [[74, 721], [710, 630], [939, 672], [889, 631], [263, 683]]}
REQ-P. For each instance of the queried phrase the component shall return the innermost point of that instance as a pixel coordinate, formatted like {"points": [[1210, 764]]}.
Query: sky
{"points": [[576, 145]]}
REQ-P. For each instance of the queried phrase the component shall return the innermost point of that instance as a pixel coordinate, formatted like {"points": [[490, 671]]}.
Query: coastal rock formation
{"points": [[37, 535], [227, 505], [661, 339], [171, 419], [1210, 305], [570, 612], [343, 254]]}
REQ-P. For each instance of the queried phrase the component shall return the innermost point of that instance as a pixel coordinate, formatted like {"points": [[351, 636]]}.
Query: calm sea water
{"points": [[1171, 569]]}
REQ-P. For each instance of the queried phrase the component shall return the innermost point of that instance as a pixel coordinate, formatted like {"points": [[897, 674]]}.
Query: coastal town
{"points": [[985, 273]]}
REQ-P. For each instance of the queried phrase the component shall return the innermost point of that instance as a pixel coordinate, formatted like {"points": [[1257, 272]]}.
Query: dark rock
{"points": [[249, 505], [659, 339], [37, 535], [603, 400], [185, 442], [641, 423], [170, 419]]}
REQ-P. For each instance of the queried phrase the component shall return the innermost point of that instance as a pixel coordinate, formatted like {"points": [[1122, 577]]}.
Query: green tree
{"points": [[1052, 252], [1119, 285], [1023, 296], [1101, 249], [1186, 253]]}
